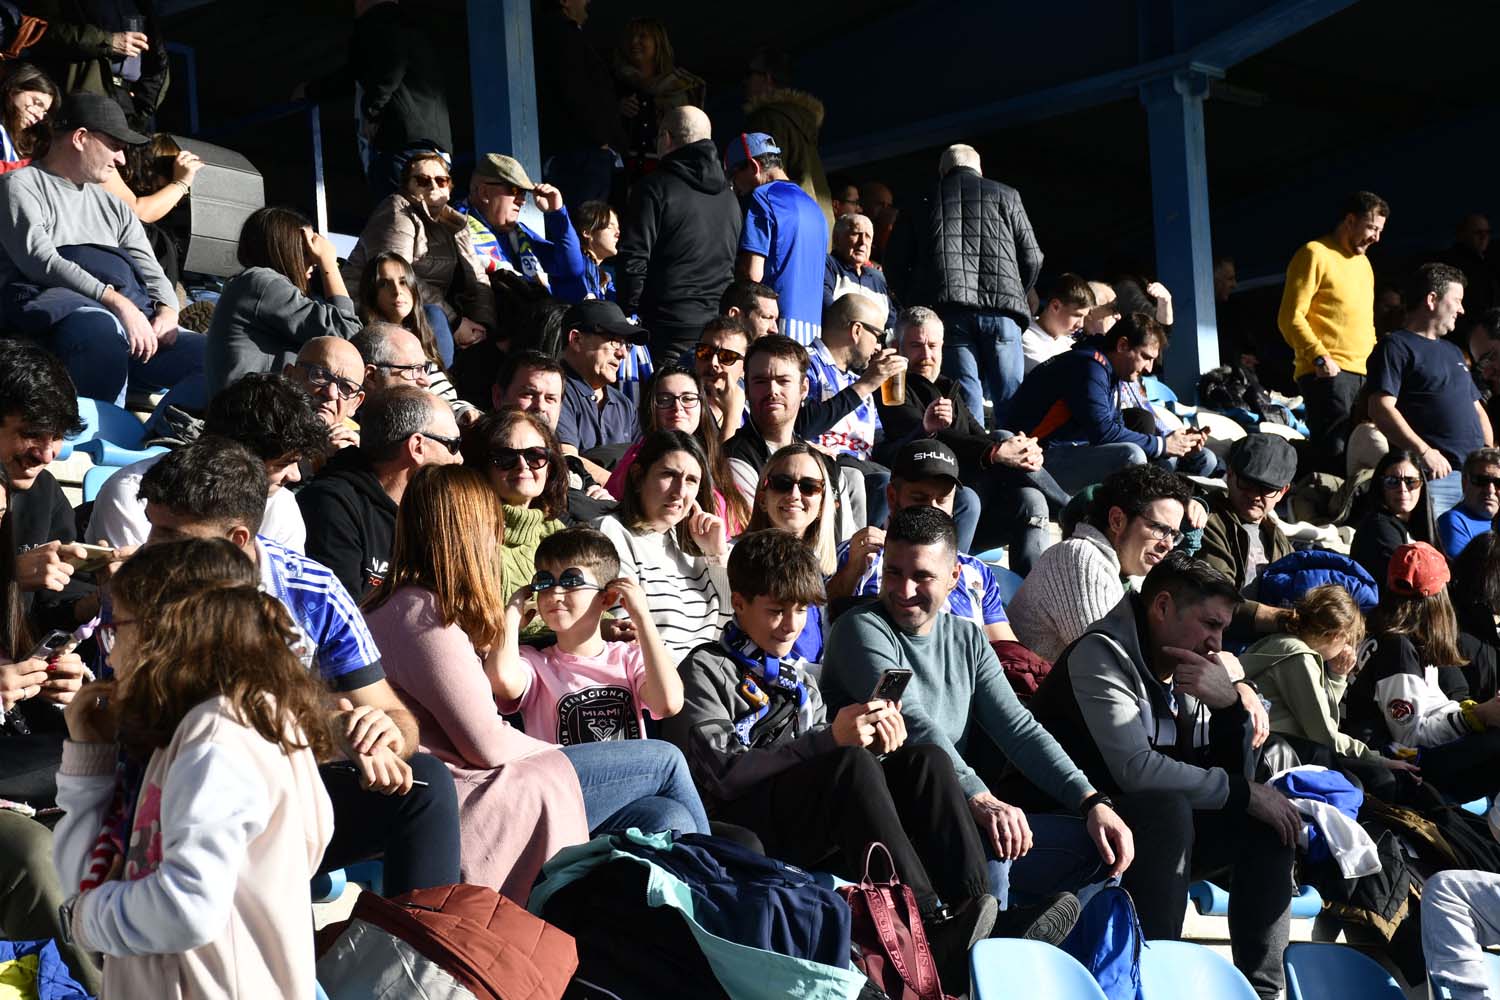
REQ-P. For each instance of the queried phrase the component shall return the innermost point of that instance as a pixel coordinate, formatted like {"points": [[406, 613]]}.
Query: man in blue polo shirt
{"points": [[1476, 512], [596, 417], [215, 488], [785, 240]]}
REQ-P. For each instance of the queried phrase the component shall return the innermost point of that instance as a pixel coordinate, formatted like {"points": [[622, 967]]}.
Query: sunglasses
{"points": [[726, 357], [321, 378], [667, 401], [451, 443], [782, 483], [1485, 481], [506, 459], [427, 181], [572, 579], [1412, 483]]}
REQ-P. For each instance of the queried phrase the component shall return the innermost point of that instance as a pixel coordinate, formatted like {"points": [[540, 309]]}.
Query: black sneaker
{"points": [[952, 932], [1048, 921]]}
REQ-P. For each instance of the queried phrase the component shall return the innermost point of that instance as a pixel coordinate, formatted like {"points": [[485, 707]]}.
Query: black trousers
{"points": [[416, 833], [1468, 768], [1331, 416], [838, 803], [1173, 843]]}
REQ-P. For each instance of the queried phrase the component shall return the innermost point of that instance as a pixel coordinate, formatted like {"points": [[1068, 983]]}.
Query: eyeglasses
{"points": [[782, 483], [321, 378], [428, 180], [572, 579], [508, 458], [1255, 488], [1412, 483], [1162, 532], [408, 372], [726, 357], [1485, 482], [451, 443], [110, 628], [667, 401]]}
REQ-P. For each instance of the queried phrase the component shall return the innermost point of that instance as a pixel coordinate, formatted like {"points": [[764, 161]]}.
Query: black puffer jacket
{"points": [[970, 244], [681, 230]]}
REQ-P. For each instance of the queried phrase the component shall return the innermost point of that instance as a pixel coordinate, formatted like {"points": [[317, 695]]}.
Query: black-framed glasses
{"points": [[572, 578], [726, 357], [806, 485], [1486, 482], [670, 401], [409, 372], [1412, 483], [506, 459], [321, 378], [451, 443], [1162, 532]]}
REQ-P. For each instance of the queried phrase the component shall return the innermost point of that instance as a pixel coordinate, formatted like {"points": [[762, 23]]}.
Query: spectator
{"points": [[576, 104], [116, 52], [1476, 602], [1470, 254], [437, 608], [1106, 312], [795, 117], [879, 204], [1398, 511], [268, 311], [26, 96], [1016, 496], [1117, 701], [351, 504], [651, 85], [1413, 692], [393, 356], [1238, 332], [785, 238], [1131, 526], [273, 419], [670, 544], [1475, 513], [497, 193], [1424, 399], [1134, 293], [1241, 537], [389, 293], [844, 198], [757, 305], [978, 287], [599, 236], [400, 74], [1328, 317], [848, 270], [957, 690], [330, 370], [848, 351], [1460, 920], [675, 402], [213, 488], [418, 223], [596, 420], [1068, 305], [67, 249], [156, 177], [720, 361], [807, 785], [682, 227], [1071, 404]]}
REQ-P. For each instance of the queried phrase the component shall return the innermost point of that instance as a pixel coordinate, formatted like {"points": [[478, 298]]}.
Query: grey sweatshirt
{"points": [[40, 211], [262, 321]]}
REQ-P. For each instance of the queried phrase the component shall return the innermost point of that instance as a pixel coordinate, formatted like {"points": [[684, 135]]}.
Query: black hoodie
{"points": [[681, 233], [351, 522]]}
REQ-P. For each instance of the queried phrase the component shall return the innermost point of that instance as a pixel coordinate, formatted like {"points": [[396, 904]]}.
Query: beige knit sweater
{"points": [[1072, 585]]}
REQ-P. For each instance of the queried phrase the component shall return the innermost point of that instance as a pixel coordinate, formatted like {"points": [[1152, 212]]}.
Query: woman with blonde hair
{"points": [[650, 83]]}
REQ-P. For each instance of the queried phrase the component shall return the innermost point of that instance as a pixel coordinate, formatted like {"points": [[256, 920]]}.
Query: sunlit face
{"points": [[774, 390], [1198, 626], [99, 155], [563, 608], [868, 334], [1448, 307], [333, 374], [853, 243], [938, 493], [1482, 491], [430, 184], [668, 489], [1144, 540], [604, 242], [922, 346], [29, 107], [1401, 489], [282, 471], [1362, 232], [915, 581], [393, 296], [785, 498], [1061, 319], [770, 623], [1130, 363], [715, 373], [763, 318], [1251, 500], [535, 390], [520, 484], [596, 356], [26, 450], [499, 203], [677, 403]]}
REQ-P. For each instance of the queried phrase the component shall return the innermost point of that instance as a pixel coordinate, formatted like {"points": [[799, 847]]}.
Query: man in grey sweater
{"points": [[57, 214]]}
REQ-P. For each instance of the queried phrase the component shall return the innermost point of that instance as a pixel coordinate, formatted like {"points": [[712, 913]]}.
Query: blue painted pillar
{"points": [[502, 77], [1179, 204]]}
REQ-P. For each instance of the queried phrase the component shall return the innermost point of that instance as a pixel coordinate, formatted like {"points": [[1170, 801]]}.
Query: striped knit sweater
{"points": [[1072, 585], [689, 598]]}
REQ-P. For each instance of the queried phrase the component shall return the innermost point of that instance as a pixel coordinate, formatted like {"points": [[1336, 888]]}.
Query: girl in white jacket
{"points": [[195, 814]]}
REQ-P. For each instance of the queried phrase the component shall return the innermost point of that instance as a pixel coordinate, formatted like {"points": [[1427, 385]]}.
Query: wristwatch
{"points": [[1320, 362], [1097, 799], [65, 919]]}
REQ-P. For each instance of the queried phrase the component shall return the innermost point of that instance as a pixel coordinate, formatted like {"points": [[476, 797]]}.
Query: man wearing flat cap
{"points": [[1241, 537], [497, 193], [597, 421], [77, 271]]}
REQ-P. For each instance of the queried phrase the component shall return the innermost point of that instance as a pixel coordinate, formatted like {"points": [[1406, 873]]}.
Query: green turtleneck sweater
{"points": [[525, 527]]}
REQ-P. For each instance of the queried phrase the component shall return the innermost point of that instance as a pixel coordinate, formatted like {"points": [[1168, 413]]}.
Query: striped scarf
{"points": [[760, 678]]}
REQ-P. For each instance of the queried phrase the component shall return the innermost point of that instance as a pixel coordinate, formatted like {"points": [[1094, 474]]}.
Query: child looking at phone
{"points": [[195, 815], [583, 689]]}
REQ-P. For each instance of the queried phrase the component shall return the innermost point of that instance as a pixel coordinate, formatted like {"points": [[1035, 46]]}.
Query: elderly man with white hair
{"points": [[978, 284], [681, 232], [849, 270]]}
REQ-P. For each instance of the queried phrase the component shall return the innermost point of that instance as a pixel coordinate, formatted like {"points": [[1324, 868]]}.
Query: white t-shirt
{"points": [[1038, 345]]}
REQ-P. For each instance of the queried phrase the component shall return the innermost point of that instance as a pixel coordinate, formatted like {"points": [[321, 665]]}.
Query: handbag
{"points": [[890, 946]]}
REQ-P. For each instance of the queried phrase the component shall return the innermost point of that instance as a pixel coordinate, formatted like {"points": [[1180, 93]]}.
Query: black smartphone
{"points": [[55, 642], [892, 684]]}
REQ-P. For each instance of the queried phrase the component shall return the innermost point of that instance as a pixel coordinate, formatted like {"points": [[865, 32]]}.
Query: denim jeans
{"points": [[1079, 466], [1062, 859], [442, 333], [982, 353], [966, 508], [640, 783], [1444, 494], [91, 342]]}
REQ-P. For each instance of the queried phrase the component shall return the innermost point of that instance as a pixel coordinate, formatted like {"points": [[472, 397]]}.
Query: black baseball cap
{"points": [[603, 316], [96, 113], [1264, 459], [925, 459]]}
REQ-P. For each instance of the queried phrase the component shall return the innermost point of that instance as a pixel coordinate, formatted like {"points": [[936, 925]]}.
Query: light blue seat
{"points": [[1478, 807], [111, 434], [1211, 900], [1157, 391], [1336, 972], [94, 479], [328, 887], [1181, 970], [1012, 967]]}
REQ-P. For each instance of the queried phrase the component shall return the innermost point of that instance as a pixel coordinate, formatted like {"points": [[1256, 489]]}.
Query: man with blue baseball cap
{"points": [[785, 239]]}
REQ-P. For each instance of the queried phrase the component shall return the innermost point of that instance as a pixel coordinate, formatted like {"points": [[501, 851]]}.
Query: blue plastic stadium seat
{"points": [[111, 434], [1158, 391], [328, 887], [1181, 970], [94, 479], [1212, 901], [1010, 967], [1336, 972], [1478, 807]]}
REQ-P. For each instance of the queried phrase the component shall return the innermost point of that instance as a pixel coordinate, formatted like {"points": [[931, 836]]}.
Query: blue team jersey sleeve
{"points": [[759, 222], [347, 657], [992, 609]]}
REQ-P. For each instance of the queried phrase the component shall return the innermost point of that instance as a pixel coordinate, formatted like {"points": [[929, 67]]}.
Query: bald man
{"points": [[674, 284], [330, 370]]}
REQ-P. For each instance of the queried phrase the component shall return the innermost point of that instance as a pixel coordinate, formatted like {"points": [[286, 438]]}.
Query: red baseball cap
{"points": [[1417, 570]]}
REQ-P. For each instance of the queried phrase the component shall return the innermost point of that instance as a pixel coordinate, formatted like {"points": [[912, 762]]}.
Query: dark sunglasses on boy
{"points": [[782, 483], [508, 458], [572, 578]]}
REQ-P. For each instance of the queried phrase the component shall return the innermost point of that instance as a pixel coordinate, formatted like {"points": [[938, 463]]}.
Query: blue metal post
{"points": [[502, 77], [320, 191], [1179, 202]]}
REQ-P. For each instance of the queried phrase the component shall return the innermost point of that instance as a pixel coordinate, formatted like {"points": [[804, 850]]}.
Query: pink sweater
{"points": [[518, 798]]}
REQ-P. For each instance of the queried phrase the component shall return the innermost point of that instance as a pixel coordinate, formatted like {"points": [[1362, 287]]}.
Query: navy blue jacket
{"points": [[1073, 399]]}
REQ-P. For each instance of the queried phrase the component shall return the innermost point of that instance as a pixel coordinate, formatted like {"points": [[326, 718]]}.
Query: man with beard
{"points": [[719, 360], [1241, 538]]}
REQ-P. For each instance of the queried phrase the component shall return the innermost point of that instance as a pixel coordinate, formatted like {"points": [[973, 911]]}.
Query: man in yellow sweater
{"points": [[1328, 317]]}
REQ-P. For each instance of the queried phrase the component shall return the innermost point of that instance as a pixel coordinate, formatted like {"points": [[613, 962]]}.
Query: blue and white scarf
{"points": [[761, 676]]}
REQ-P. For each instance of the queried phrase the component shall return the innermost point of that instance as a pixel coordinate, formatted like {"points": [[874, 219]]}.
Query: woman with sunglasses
{"points": [[1397, 512], [671, 543], [418, 223], [674, 401], [793, 495]]}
